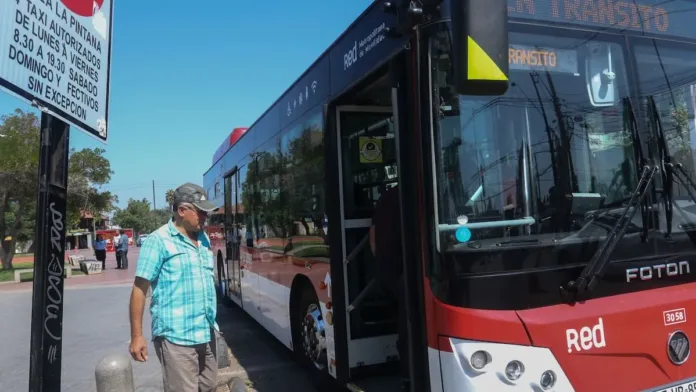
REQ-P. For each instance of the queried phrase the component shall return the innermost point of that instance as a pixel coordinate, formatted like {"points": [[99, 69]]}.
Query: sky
{"points": [[184, 74]]}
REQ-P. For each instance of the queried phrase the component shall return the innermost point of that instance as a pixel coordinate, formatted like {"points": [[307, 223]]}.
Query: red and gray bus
{"points": [[544, 152]]}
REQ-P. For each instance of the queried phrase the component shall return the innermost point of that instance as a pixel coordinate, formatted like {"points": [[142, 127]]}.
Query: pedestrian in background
{"points": [[114, 240], [100, 250], [177, 263], [122, 250]]}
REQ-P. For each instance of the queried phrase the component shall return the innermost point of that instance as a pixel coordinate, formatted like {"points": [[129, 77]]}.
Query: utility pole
{"points": [[154, 202]]}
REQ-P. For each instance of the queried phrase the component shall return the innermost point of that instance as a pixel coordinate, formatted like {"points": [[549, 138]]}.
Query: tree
{"points": [[162, 216], [138, 216], [88, 172], [19, 148], [169, 197]]}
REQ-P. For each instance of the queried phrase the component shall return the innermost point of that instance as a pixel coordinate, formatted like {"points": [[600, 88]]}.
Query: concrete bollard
{"points": [[114, 373], [236, 384]]}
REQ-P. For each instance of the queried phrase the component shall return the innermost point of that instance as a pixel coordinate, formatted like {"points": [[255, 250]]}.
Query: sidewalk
{"points": [[110, 276]]}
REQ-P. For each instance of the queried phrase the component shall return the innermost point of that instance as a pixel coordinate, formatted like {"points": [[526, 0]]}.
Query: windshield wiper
{"points": [[593, 271], [670, 168], [630, 119]]}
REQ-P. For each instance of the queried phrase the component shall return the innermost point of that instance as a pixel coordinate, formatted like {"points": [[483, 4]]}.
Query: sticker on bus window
{"points": [[534, 58], [370, 150]]}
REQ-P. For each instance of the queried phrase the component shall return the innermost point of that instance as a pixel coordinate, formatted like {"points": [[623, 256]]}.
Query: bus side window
{"points": [[302, 149]]}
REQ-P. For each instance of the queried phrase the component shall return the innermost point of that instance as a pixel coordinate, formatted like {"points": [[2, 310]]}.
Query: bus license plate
{"points": [[689, 386]]}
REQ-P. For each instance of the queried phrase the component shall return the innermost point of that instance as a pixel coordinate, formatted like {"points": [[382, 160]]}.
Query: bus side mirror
{"points": [[480, 46]]}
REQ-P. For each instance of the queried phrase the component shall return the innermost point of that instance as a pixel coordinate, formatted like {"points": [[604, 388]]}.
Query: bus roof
{"points": [[368, 29], [364, 45]]}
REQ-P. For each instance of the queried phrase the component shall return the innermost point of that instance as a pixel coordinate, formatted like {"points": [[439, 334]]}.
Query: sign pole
{"points": [[49, 257]]}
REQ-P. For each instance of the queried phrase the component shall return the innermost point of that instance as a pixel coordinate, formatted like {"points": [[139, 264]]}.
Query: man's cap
{"points": [[194, 194]]}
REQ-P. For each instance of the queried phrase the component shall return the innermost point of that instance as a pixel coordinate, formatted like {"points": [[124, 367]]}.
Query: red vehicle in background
{"points": [[544, 152], [110, 234]]}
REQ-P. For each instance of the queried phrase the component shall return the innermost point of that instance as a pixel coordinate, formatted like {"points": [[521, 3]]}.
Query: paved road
{"points": [[264, 362], [96, 325]]}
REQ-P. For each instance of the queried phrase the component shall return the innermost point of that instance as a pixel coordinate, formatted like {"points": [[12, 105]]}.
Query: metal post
{"points": [[114, 373], [154, 201], [49, 258]]}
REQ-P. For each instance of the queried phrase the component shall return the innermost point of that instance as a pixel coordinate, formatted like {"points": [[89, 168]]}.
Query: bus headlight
{"points": [[480, 359], [548, 380], [514, 370], [484, 367]]}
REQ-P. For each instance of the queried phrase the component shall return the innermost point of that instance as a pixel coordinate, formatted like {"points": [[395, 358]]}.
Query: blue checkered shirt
{"points": [[183, 304]]}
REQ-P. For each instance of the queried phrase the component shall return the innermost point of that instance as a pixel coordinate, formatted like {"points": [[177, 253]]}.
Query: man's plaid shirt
{"points": [[182, 276]]}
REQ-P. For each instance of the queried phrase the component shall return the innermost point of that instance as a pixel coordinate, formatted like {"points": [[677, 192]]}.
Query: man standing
{"points": [[122, 250], [177, 262], [385, 243]]}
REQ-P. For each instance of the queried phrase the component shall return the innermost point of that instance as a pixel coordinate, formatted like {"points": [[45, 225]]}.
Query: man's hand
{"points": [[138, 349]]}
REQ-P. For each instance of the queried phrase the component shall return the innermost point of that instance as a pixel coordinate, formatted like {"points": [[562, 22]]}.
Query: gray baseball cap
{"points": [[194, 194]]}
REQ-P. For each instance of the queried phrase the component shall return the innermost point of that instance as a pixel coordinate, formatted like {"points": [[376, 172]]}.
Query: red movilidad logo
{"points": [[83, 7]]}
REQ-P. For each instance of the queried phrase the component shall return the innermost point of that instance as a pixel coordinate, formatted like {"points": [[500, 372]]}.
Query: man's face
{"points": [[192, 218]]}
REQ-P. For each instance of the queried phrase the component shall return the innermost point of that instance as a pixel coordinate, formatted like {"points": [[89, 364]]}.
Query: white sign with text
{"points": [[58, 52]]}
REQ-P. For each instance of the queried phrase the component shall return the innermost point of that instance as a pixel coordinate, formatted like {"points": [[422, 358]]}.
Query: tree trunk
{"points": [[8, 250], [9, 247], [320, 228], [5, 257], [306, 226]]}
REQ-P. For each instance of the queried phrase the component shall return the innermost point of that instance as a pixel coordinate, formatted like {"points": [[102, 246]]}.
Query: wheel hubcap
{"points": [[314, 336]]}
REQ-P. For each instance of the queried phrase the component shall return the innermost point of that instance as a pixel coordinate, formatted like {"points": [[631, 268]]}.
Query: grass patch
{"points": [[8, 275], [312, 251]]}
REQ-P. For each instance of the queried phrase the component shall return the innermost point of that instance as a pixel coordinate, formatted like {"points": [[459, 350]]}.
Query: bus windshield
{"points": [[553, 161]]}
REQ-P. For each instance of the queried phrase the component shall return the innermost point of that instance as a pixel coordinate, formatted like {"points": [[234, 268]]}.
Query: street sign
{"points": [[56, 54]]}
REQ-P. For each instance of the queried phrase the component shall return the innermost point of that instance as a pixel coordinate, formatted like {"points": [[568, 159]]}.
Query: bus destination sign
{"points": [[658, 17], [530, 58]]}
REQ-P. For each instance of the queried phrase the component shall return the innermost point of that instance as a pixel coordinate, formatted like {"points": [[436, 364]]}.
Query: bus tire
{"points": [[305, 336]]}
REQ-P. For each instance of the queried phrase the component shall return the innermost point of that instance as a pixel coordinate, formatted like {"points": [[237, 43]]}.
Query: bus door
{"points": [[232, 236], [367, 167]]}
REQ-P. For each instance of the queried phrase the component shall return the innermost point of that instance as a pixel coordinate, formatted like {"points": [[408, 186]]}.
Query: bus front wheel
{"points": [[309, 336]]}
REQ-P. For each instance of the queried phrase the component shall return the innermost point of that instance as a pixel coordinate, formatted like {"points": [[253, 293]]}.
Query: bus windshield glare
{"points": [[554, 160]]}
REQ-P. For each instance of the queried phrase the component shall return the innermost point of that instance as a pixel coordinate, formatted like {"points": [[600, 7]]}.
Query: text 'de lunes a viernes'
{"points": [[58, 57]]}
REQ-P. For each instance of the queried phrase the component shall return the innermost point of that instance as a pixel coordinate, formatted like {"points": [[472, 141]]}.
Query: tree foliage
{"points": [[88, 170], [19, 158], [140, 217], [169, 197]]}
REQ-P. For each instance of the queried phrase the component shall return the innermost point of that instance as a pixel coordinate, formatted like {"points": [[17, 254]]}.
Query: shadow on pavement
{"points": [[265, 363]]}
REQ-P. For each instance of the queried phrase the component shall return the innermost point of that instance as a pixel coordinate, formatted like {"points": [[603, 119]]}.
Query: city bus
{"points": [[544, 152]]}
